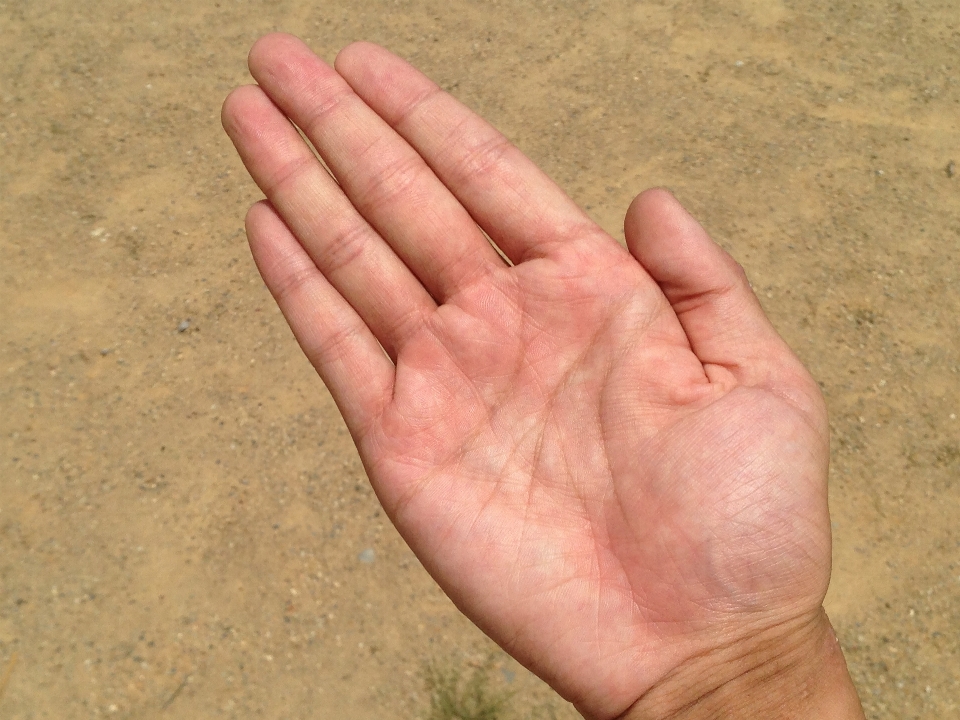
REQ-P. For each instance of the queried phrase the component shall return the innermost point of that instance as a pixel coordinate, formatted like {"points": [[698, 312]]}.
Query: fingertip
{"points": [[257, 217], [258, 212], [654, 196], [275, 50], [272, 243], [227, 111], [258, 49], [385, 81], [248, 115], [674, 247], [271, 41], [656, 213], [676, 250], [231, 109], [353, 54]]}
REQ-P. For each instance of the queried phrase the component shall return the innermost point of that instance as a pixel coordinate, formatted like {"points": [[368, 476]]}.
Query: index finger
{"points": [[522, 210]]}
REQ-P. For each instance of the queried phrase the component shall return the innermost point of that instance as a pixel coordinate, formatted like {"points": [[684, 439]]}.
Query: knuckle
{"points": [[395, 182], [416, 105], [483, 157], [293, 283], [322, 110], [333, 345], [346, 247], [287, 174], [407, 324]]}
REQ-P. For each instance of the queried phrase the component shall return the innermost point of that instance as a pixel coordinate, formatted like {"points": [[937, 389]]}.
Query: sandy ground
{"points": [[185, 529]]}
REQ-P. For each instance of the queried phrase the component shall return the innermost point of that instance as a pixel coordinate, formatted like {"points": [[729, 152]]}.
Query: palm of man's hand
{"points": [[560, 462], [608, 459]]}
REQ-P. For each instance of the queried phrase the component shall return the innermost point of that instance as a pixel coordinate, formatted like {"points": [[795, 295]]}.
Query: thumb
{"points": [[709, 292]]}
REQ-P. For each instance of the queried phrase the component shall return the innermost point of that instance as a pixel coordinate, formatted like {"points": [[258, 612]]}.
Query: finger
{"points": [[357, 262], [519, 207], [722, 318], [385, 179], [334, 338]]}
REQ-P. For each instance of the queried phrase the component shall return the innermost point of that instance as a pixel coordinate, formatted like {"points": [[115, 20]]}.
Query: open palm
{"points": [[607, 458]]}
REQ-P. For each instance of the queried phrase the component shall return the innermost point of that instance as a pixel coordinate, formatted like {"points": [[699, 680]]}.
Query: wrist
{"points": [[794, 671]]}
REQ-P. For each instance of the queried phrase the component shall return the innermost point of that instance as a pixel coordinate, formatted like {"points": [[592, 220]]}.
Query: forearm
{"points": [[796, 673]]}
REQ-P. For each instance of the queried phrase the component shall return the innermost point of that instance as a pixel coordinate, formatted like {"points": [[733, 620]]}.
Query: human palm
{"points": [[607, 458]]}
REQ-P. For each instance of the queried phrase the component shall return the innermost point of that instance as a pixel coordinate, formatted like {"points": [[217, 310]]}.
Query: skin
{"points": [[607, 457]]}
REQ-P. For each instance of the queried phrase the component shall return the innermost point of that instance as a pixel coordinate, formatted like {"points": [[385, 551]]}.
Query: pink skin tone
{"points": [[607, 457]]}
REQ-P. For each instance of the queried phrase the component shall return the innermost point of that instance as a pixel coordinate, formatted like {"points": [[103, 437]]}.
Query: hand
{"points": [[608, 459]]}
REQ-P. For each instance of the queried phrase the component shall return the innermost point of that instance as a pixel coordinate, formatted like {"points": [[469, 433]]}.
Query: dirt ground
{"points": [[185, 528]]}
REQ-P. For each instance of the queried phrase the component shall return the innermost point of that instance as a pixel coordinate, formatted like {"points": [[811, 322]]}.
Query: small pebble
{"points": [[951, 169], [183, 326], [367, 556]]}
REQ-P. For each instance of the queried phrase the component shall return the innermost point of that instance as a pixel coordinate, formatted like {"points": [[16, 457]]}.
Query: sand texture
{"points": [[185, 528]]}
